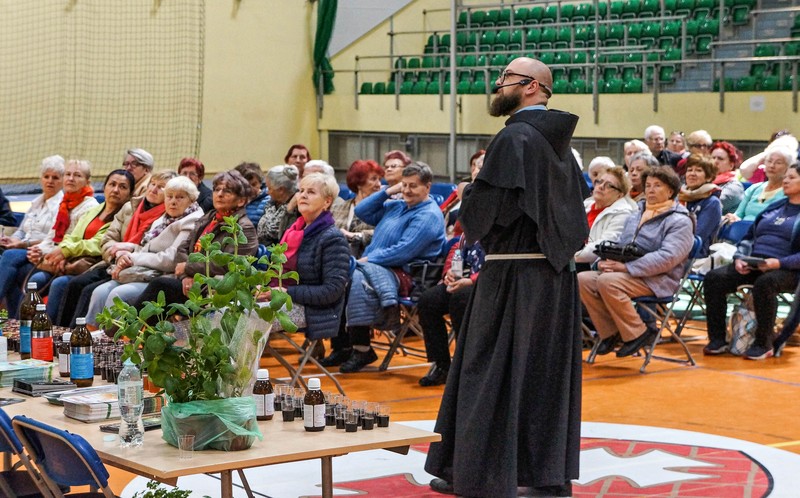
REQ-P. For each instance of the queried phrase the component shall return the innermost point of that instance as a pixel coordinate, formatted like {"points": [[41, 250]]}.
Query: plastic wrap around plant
{"points": [[249, 337], [220, 424]]}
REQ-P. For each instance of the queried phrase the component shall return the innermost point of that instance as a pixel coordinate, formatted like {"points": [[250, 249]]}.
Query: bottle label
{"points": [[265, 404], [63, 363], [25, 336], [42, 348], [81, 363], [314, 415]]}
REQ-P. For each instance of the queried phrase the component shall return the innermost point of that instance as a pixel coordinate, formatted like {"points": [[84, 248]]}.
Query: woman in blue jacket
{"points": [[775, 237], [701, 198]]}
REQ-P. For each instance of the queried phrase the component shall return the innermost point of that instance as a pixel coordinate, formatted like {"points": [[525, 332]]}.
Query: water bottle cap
{"points": [[313, 384], [80, 321], [41, 307], [263, 374], [32, 285]]}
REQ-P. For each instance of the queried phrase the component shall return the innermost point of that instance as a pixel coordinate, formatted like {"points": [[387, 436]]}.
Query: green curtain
{"points": [[326, 18]]}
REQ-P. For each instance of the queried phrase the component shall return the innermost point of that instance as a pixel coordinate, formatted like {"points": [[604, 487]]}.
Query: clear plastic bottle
{"points": [[131, 403], [457, 264], [3, 347], [314, 407]]}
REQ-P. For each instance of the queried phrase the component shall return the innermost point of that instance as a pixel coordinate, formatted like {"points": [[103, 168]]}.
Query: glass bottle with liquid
{"points": [[81, 355], [314, 407], [63, 357], [264, 396], [27, 309], [41, 335]]}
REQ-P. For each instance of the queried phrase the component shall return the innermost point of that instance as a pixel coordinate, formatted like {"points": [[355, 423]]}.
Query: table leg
{"points": [[226, 484], [327, 477]]}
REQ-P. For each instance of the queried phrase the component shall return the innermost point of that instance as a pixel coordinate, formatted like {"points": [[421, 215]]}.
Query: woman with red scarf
{"points": [[727, 159], [84, 240], [15, 264], [125, 233]]}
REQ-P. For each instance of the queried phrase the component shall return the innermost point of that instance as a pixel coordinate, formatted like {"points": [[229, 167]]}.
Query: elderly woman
{"points": [[639, 165], [664, 230], [727, 159], [139, 163], [752, 169], [231, 192], [194, 170], [155, 254], [297, 156], [15, 264], [124, 234], [676, 142], [607, 210], [759, 196], [363, 178], [42, 213], [318, 251], [282, 186], [405, 231], [774, 237], [394, 162], [631, 148], [259, 196], [85, 240], [698, 142], [699, 195], [598, 166]]}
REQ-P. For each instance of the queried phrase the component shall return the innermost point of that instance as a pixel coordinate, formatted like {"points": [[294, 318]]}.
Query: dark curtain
{"points": [[326, 18]]}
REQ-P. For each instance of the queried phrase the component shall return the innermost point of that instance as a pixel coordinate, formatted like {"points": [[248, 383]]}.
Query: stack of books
{"points": [[41, 387], [103, 404], [30, 370]]}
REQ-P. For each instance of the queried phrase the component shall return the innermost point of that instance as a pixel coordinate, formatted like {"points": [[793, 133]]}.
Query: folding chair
{"points": [[63, 459], [14, 481]]}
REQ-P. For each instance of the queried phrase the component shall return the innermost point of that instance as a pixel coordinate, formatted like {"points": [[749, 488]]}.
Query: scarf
{"points": [[162, 223], [216, 220], [269, 226], [141, 220], [294, 236], [653, 210], [690, 195], [724, 178], [68, 203], [593, 213]]}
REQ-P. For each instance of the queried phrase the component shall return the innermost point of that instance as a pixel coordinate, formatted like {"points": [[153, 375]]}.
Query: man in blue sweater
{"points": [[405, 230]]}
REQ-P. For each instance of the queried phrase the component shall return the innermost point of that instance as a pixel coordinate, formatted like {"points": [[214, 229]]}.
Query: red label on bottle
{"points": [[42, 348]]}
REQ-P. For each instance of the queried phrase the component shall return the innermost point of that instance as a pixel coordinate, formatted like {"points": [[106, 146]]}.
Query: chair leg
{"points": [[665, 317], [595, 343], [306, 356]]}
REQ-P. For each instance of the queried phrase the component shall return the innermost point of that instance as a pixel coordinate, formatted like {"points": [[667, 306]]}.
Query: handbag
{"points": [[614, 251], [137, 274], [77, 266], [743, 326]]}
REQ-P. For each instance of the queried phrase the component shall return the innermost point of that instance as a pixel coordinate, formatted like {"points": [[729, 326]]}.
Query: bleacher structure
{"points": [[619, 46]]}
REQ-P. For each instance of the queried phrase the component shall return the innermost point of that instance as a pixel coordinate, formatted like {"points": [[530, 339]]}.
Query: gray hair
{"points": [[785, 152], [603, 161], [653, 129], [183, 184], [326, 168], [234, 181], [142, 157], [697, 136], [283, 176], [327, 184], [420, 169], [84, 167], [649, 159], [635, 143], [52, 163]]}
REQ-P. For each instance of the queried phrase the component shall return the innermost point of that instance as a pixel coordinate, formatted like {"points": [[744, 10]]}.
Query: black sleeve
{"points": [[6, 215]]}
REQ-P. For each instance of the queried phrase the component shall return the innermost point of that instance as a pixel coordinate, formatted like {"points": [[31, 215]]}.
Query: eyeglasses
{"points": [[607, 184], [131, 165], [223, 191], [700, 146], [392, 166], [507, 73]]}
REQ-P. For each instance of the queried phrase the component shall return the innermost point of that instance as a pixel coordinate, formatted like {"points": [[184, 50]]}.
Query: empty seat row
{"points": [[763, 83]]}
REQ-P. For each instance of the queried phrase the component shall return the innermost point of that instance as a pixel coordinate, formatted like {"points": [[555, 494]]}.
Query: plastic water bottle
{"points": [[457, 264], [131, 403], [3, 347]]}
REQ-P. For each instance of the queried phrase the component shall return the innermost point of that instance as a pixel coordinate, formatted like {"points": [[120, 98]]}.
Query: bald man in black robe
{"points": [[510, 415]]}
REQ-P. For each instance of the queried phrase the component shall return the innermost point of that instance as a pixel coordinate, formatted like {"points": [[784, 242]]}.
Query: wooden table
{"points": [[283, 442]]}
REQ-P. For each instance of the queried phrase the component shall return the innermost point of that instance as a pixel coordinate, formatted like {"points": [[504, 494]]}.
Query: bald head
{"points": [[537, 69]]}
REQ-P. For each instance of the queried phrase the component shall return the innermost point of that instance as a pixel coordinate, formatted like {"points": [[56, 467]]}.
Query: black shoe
{"points": [[358, 360], [337, 357], [634, 345], [716, 347], [436, 377], [607, 345], [442, 486]]}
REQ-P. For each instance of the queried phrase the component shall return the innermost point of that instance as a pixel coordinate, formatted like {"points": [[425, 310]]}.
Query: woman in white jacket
{"points": [[606, 210], [133, 270]]}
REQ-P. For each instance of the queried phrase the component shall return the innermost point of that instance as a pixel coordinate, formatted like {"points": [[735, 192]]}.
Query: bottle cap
{"points": [[313, 384], [263, 374], [80, 321], [32, 285], [41, 307]]}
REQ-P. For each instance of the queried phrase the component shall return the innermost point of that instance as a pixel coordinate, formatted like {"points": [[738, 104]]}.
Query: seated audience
{"points": [[363, 178], [6, 214], [125, 233], [84, 241], [607, 210], [259, 198], [699, 195], [318, 251], [405, 230], [676, 143], [758, 196], [752, 169], [774, 236], [665, 231], [194, 170], [297, 156], [449, 297], [727, 158], [282, 186], [640, 164], [631, 148], [231, 192], [139, 163], [42, 213], [136, 264], [598, 166], [15, 264], [394, 162], [656, 141], [699, 142]]}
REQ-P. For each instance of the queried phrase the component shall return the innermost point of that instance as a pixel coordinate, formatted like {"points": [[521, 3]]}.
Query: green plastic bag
{"points": [[220, 424]]}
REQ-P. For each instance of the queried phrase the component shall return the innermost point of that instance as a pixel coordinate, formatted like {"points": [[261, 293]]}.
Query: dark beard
{"points": [[504, 105]]}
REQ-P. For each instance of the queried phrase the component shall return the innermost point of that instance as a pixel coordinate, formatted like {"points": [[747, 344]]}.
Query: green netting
{"points": [[90, 78]]}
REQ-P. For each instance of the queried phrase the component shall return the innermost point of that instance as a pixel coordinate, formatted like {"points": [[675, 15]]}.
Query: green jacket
{"points": [[75, 245]]}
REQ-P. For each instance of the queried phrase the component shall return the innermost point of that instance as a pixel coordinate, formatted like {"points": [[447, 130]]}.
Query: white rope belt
{"points": [[507, 257]]}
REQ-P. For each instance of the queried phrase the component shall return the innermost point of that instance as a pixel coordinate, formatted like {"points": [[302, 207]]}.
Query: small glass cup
{"points": [[287, 408], [384, 411], [340, 412], [368, 420], [299, 398], [351, 421], [186, 447]]}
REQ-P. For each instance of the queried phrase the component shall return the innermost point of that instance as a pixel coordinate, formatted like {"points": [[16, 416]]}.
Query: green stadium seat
{"points": [[491, 19], [670, 6], [366, 88], [446, 88], [740, 12], [703, 45], [433, 88], [760, 68], [561, 86], [532, 38], [379, 88], [746, 84], [467, 41], [548, 39], [634, 59], [703, 8], [391, 88], [650, 34], [769, 83], [602, 11], [432, 44], [400, 63], [609, 73], [650, 8], [476, 18], [407, 87], [548, 58], [550, 14], [501, 41], [563, 58], [510, 57], [564, 37], [535, 15], [466, 61], [520, 15], [629, 73], [487, 41], [730, 85], [504, 17], [613, 85], [673, 54], [463, 87], [498, 60], [478, 87], [419, 88], [671, 32], [463, 18], [444, 43], [787, 82], [414, 63], [633, 85], [582, 12], [616, 9], [516, 40], [567, 12], [667, 74], [631, 9], [791, 48], [582, 36], [616, 33], [634, 32], [709, 27], [578, 86], [684, 8]]}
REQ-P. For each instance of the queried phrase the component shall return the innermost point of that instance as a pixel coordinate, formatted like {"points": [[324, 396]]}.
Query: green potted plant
{"points": [[208, 379]]}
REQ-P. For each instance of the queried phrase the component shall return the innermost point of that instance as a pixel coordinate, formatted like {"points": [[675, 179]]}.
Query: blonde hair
{"points": [[327, 183]]}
